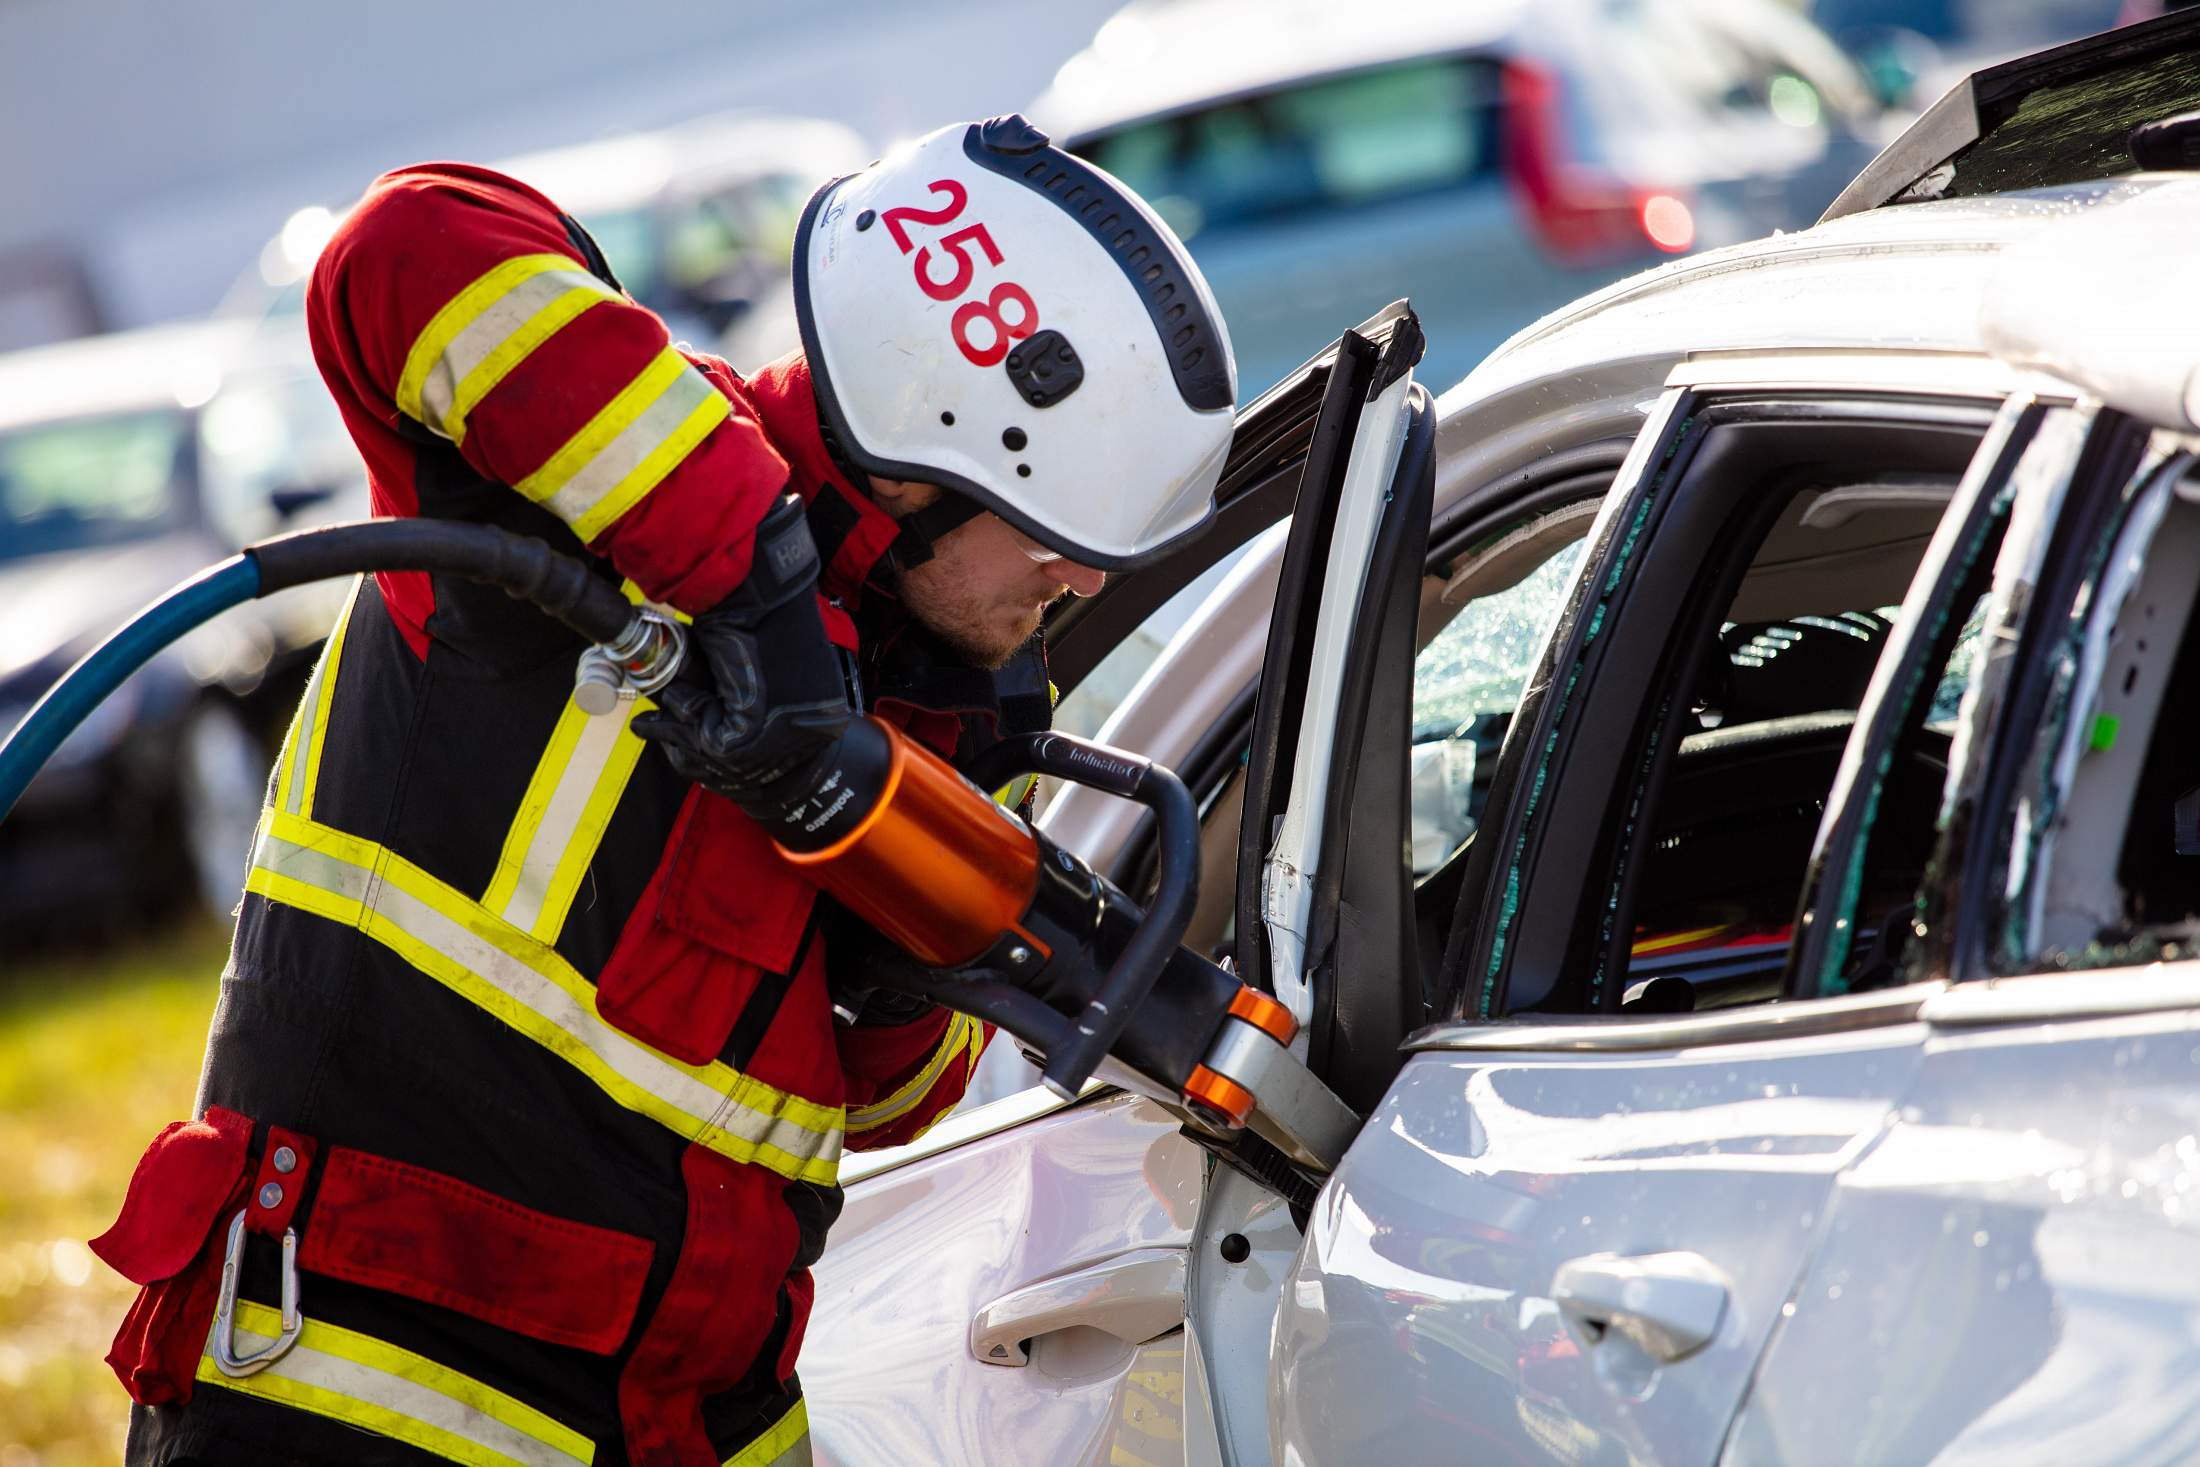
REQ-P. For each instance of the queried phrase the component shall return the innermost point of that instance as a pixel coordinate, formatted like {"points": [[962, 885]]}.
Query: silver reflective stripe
{"points": [[593, 481], [366, 1383], [957, 1041], [575, 789], [786, 1444], [502, 336], [527, 985]]}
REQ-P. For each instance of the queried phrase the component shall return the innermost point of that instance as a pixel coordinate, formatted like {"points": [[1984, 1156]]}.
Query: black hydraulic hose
{"points": [[519, 565], [1176, 838], [526, 568]]}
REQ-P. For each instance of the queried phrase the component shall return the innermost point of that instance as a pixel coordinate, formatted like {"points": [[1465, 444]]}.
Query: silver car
{"points": [[1786, 1051]]}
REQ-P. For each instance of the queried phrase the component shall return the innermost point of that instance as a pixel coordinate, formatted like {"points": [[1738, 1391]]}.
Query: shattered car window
{"points": [[1466, 682]]}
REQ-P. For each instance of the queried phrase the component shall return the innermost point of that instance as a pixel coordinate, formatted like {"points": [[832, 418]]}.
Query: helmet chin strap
{"points": [[915, 531]]}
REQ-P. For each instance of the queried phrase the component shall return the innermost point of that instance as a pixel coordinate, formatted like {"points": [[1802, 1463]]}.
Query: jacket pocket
{"points": [[722, 910], [165, 1241], [417, 1233]]}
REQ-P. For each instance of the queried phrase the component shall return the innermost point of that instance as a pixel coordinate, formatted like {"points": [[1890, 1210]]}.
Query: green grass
{"points": [[96, 1055]]}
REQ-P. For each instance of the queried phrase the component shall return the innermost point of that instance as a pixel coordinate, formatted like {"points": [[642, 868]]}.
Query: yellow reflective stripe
{"points": [[634, 594], [562, 816], [300, 766], [963, 1036], [787, 1444], [365, 1382], [525, 984], [970, 1068], [626, 450], [485, 331]]}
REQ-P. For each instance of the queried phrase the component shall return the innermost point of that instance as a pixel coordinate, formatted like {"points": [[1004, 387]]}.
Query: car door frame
{"points": [[1111, 1131], [2020, 1200]]}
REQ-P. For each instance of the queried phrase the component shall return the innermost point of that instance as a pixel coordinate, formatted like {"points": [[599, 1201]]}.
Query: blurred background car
{"points": [[1913, 50], [1492, 162], [1489, 161], [128, 463], [697, 221]]}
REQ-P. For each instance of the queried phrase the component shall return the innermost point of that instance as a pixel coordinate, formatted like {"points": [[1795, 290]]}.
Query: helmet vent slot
{"points": [[1014, 149]]}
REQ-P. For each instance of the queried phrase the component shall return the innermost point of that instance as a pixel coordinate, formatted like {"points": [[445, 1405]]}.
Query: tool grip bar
{"points": [[1176, 838]]}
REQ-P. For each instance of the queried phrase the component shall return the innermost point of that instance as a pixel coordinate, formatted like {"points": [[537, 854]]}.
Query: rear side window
{"points": [[1336, 143]]}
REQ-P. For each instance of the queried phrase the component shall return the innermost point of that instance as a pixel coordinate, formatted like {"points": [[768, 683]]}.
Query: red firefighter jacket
{"points": [[541, 1032]]}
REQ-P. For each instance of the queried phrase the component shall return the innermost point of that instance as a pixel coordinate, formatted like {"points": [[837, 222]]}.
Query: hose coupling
{"points": [[641, 660]]}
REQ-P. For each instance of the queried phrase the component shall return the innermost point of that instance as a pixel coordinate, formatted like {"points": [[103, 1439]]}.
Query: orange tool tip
{"points": [[1265, 1014], [1225, 1098]]}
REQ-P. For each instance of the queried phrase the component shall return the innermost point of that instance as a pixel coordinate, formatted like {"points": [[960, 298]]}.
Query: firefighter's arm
{"points": [[904, 1060], [460, 303], [903, 1077]]}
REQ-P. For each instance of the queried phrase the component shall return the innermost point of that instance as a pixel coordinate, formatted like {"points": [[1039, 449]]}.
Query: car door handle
{"points": [[1133, 1296], [1668, 1304]]}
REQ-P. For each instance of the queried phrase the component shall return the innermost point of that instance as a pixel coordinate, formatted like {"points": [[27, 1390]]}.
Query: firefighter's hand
{"points": [[762, 703]]}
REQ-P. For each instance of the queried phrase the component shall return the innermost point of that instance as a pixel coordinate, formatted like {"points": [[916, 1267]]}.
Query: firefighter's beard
{"points": [[985, 610]]}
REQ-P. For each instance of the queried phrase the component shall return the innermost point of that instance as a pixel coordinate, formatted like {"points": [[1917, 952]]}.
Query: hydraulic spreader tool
{"points": [[1001, 923]]}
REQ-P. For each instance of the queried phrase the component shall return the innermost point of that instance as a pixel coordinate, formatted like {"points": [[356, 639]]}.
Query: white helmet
{"points": [[985, 312]]}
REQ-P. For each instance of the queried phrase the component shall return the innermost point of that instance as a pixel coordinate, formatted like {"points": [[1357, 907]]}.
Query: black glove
{"points": [[760, 708], [872, 981]]}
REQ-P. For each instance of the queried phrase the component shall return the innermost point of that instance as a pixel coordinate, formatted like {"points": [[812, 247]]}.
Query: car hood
{"points": [[57, 605]]}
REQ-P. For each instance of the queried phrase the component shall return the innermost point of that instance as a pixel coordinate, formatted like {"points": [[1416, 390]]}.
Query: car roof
{"points": [[1154, 57], [173, 366], [1898, 284]]}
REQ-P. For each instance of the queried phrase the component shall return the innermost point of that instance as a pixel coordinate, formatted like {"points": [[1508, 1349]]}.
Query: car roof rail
{"points": [[2058, 116]]}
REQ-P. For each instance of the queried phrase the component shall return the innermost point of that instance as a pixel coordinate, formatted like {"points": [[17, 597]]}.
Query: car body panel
{"points": [[1419, 1322], [2010, 1274], [888, 1365]]}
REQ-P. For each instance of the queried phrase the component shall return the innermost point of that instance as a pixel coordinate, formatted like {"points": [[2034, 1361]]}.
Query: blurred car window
{"points": [[1086, 708], [1334, 143], [266, 437], [90, 481], [2011, 25], [1721, 65]]}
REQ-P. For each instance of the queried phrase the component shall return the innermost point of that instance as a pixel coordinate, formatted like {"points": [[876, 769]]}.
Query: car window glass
{"points": [[1342, 142], [628, 239], [1466, 682], [1086, 708], [89, 481], [1761, 62], [1711, 889], [264, 436], [2103, 843]]}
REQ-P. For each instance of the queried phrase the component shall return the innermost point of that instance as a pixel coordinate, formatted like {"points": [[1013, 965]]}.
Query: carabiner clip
{"points": [[226, 1358]]}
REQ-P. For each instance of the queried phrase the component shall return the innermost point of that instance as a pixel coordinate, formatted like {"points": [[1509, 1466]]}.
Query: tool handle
{"points": [[1094, 1032]]}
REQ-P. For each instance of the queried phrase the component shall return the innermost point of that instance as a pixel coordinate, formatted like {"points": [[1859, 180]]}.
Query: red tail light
{"points": [[1582, 215]]}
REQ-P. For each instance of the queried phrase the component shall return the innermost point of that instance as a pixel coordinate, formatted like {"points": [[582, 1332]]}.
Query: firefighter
{"points": [[523, 1101]]}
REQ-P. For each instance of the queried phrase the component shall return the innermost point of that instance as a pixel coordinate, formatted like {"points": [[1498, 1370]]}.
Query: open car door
{"points": [[1322, 880], [1013, 1287]]}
